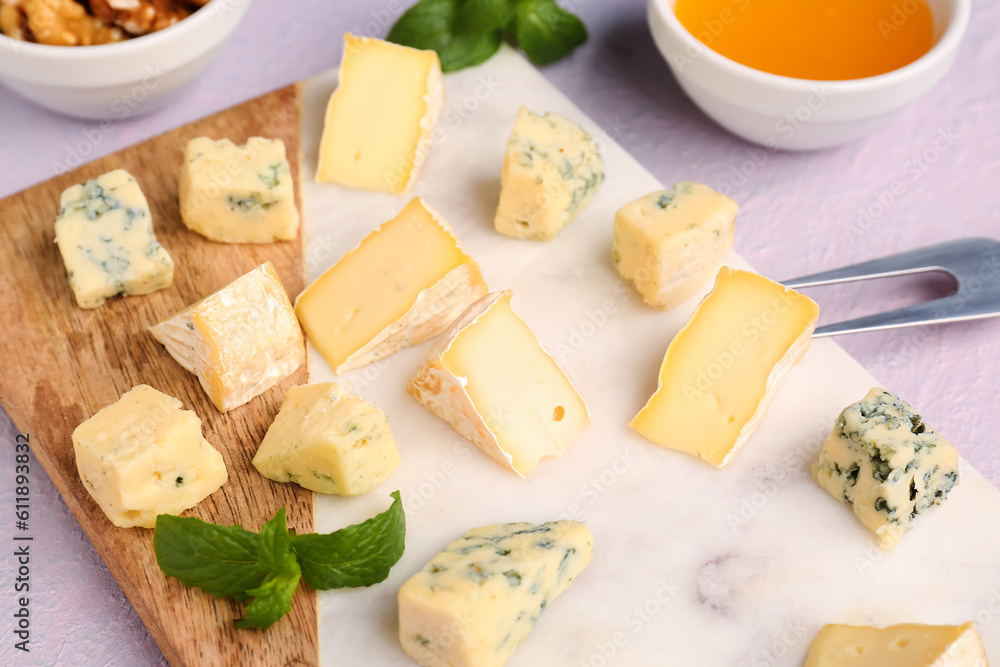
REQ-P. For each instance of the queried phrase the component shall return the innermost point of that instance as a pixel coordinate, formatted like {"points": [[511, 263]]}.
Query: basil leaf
{"points": [[434, 25], [546, 32], [221, 560], [485, 15], [272, 599], [359, 555]]}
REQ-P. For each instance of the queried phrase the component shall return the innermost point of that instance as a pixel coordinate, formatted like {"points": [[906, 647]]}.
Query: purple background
{"points": [[799, 213]]}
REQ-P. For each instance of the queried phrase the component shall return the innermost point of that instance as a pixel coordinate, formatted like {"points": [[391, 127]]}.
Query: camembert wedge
{"points": [[490, 378], [144, 455], [239, 341], [721, 371], [380, 118], [404, 283], [477, 600], [328, 440], [905, 645]]}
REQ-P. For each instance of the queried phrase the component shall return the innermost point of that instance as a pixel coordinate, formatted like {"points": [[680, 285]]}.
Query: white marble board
{"points": [[694, 566]]}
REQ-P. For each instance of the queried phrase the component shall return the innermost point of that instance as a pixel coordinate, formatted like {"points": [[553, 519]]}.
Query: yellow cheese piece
{"points": [[404, 283], [143, 455], [105, 236], [238, 194], [239, 341], [670, 242], [721, 371], [905, 645], [477, 600], [326, 439], [380, 118], [490, 378], [551, 171], [883, 459]]}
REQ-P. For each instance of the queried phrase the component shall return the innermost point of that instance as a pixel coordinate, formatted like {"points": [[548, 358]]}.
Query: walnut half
{"points": [[139, 17]]}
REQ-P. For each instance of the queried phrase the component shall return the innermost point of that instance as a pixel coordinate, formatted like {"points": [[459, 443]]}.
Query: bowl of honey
{"points": [[807, 74]]}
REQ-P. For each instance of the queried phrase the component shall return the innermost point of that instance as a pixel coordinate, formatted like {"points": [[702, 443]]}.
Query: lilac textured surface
{"points": [[928, 177]]}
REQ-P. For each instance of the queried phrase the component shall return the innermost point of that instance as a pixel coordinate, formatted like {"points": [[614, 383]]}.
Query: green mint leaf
{"points": [[434, 25], [470, 49], [485, 15], [221, 560], [272, 599], [359, 555], [546, 32]]}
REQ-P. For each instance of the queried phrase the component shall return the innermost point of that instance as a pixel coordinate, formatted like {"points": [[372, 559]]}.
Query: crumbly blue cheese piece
{"points": [[670, 242], [238, 194], [239, 341], [886, 462], [144, 455], [104, 231], [477, 600], [328, 440], [551, 171]]}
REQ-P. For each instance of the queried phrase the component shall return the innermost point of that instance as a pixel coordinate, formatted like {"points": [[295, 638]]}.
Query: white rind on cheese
{"points": [[904, 645], [330, 305], [328, 440], [670, 242], [144, 455], [551, 170], [883, 460], [474, 603], [239, 341], [444, 389], [104, 231], [238, 194], [378, 127], [723, 368]]}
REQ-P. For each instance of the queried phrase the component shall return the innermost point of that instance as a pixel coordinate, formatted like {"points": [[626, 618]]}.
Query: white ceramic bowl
{"points": [[799, 114], [115, 81]]}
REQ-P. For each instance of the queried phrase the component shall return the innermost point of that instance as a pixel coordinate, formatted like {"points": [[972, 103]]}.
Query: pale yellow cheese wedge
{"points": [[477, 600], [239, 341], [905, 645], [144, 455], [490, 378], [380, 118], [721, 371], [404, 283], [670, 242], [328, 440]]}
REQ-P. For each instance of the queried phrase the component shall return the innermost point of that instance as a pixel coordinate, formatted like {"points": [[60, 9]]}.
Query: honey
{"points": [[813, 39]]}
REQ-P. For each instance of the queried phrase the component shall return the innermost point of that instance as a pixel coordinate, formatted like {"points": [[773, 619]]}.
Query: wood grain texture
{"points": [[61, 364]]}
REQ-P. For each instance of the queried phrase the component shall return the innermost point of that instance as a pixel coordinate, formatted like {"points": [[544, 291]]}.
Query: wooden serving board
{"points": [[61, 364]]}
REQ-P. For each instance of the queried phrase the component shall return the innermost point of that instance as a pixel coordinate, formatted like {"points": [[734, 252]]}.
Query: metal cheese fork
{"points": [[973, 262]]}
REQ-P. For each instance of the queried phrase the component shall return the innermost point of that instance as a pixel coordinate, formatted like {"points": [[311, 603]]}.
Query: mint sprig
{"points": [[229, 561], [465, 33]]}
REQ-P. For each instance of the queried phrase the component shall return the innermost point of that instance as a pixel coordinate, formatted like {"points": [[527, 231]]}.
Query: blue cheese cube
{"points": [[104, 231], [144, 455], [238, 194], [551, 171], [886, 462], [328, 440], [670, 242], [477, 600]]}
